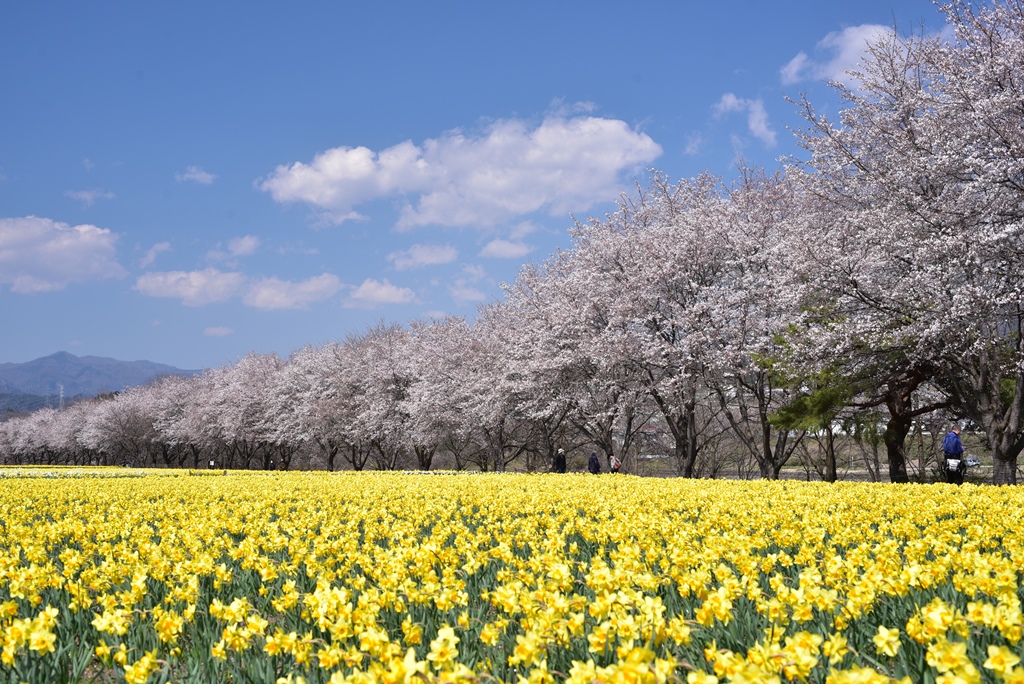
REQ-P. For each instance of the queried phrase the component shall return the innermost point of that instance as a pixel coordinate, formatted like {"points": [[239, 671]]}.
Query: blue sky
{"points": [[186, 182]]}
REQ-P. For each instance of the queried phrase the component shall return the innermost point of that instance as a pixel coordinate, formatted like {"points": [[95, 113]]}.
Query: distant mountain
{"points": [[21, 403], [76, 376]]}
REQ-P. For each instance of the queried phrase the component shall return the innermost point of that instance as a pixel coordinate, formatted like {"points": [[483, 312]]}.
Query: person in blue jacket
{"points": [[954, 463], [594, 463]]}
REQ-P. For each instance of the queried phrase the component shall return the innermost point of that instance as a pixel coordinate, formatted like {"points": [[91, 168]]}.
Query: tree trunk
{"points": [[683, 426], [831, 473], [1006, 449], [1004, 471], [686, 442], [895, 436], [424, 456]]}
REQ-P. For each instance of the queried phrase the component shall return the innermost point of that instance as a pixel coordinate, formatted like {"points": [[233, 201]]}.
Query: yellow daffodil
{"points": [[887, 641]]}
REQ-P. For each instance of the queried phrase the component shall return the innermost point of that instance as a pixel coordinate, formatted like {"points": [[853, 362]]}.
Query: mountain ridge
{"points": [[64, 374]]}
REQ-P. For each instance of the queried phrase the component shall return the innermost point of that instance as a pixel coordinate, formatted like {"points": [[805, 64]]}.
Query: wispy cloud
{"points": [[509, 169], [474, 272], [42, 255], [217, 331], [423, 255], [243, 246], [152, 253], [89, 197], [522, 229], [463, 289], [195, 174], [298, 249], [757, 117], [834, 55], [694, 144]]}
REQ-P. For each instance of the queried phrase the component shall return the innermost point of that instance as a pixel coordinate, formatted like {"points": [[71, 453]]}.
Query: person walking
{"points": [[559, 464], [953, 463], [594, 463]]}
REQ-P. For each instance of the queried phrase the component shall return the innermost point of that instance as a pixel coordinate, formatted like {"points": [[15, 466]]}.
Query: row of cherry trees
{"points": [[871, 287], [441, 394]]}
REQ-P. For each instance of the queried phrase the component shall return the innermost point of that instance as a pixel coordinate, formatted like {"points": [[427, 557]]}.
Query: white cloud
{"points": [[195, 174], [510, 169], [794, 70], [42, 255], [838, 51], [372, 292], [89, 197], [505, 249], [237, 247], [193, 288], [757, 117], [273, 293], [198, 288], [152, 253], [423, 255], [217, 331]]}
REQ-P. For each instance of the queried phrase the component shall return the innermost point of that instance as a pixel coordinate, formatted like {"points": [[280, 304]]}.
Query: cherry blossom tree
{"points": [[748, 311], [8, 433], [434, 402], [66, 433], [31, 440], [376, 379], [686, 272], [121, 428], [492, 396], [315, 405], [566, 363], [244, 409], [661, 262], [920, 249], [169, 399], [47, 436], [466, 385], [187, 418]]}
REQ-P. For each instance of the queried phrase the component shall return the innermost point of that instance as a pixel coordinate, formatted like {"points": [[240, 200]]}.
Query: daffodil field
{"points": [[177, 576]]}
